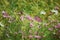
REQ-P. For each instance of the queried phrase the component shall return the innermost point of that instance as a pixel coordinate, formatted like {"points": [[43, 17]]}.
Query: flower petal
{"points": [[5, 14], [38, 19]]}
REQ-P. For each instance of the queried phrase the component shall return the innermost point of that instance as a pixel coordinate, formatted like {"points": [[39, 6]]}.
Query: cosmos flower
{"points": [[29, 17], [58, 30], [57, 26], [56, 8], [22, 18], [36, 33], [50, 29], [38, 37], [54, 11], [43, 12], [30, 36], [31, 25], [5, 15], [38, 19]]}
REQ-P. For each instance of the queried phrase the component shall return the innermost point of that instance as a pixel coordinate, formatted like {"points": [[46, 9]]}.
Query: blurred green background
{"points": [[10, 31]]}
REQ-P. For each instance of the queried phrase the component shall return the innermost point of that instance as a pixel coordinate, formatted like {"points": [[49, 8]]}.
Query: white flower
{"points": [[43, 12], [3, 12], [1, 24], [22, 18], [55, 11]]}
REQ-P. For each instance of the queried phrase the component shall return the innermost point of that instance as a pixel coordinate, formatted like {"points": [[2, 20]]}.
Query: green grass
{"points": [[19, 30]]}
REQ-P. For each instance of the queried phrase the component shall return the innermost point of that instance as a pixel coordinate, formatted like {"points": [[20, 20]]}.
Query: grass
{"points": [[22, 13]]}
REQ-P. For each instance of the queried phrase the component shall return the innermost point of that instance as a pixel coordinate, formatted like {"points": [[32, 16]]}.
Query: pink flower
{"points": [[57, 26], [29, 18], [50, 29], [31, 25], [7, 35], [22, 18], [36, 33], [37, 18], [5, 14], [56, 7], [38, 37], [30, 36], [58, 30]]}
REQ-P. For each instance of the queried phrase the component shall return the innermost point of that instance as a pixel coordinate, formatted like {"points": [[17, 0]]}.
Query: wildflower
{"points": [[54, 11], [30, 36], [36, 33], [1, 24], [38, 37], [50, 29], [58, 30], [22, 18], [54, 33], [56, 8], [31, 25], [29, 18], [43, 12], [5, 15], [57, 26], [38, 19]]}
